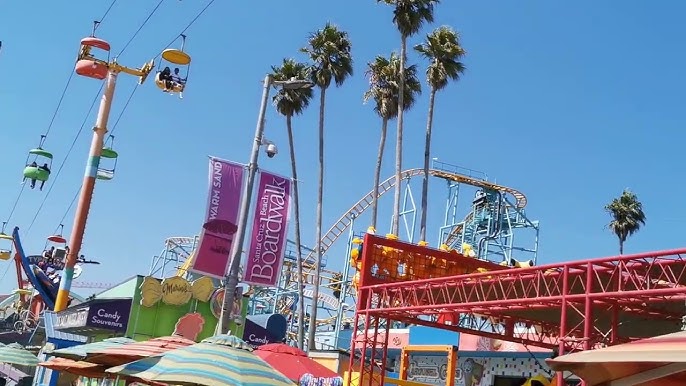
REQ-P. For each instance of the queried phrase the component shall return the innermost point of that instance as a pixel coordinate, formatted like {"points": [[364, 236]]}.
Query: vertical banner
{"points": [[224, 197], [269, 230]]}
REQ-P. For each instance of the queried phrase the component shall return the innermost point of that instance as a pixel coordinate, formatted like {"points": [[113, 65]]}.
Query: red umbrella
{"points": [[292, 362], [115, 356]]}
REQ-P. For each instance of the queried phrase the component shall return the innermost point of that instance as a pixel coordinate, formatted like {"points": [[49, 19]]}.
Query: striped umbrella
{"points": [[85, 351], [85, 369], [217, 361], [15, 354], [118, 355]]}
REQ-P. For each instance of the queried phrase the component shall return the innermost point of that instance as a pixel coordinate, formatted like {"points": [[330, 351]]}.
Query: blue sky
{"points": [[568, 102]]}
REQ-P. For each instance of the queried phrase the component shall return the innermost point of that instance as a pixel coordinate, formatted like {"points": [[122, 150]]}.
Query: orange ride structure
{"points": [[570, 306]]}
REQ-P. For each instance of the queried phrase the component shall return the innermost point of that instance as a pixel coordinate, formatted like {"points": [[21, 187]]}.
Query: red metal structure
{"points": [[567, 306]]}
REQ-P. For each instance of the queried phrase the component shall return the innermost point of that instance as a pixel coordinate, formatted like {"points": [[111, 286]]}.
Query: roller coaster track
{"points": [[365, 202]]}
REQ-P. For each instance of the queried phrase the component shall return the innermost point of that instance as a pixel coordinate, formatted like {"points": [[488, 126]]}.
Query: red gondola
{"points": [[89, 65]]}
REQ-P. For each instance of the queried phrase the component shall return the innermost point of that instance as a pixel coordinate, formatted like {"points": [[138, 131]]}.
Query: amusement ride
{"points": [[44, 280], [482, 277]]}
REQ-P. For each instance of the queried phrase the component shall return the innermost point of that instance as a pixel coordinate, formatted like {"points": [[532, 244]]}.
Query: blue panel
{"points": [[50, 318], [420, 335]]}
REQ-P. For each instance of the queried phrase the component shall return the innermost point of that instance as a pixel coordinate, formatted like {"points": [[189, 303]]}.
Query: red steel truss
{"points": [[569, 306]]}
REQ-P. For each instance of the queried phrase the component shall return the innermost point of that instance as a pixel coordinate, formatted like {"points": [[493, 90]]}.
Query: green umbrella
{"points": [[83, 351], [16, 354]]}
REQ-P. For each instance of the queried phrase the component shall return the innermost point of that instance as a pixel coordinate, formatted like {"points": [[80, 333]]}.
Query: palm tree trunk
{"points": [[395, 224], [377, 171], [298, 253], [320, 197], [621, 246], [427, 155]]}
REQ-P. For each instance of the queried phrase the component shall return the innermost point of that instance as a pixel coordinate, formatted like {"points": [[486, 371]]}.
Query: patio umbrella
{"points": [[15, 354], [118, 355], [84, 351], [217, 361], [85, 369], [292, 362], [654, 361]]}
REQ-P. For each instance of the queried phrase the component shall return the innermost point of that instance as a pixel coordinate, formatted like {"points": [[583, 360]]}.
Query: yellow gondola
{"points": [[6, 244], [173, 81]]}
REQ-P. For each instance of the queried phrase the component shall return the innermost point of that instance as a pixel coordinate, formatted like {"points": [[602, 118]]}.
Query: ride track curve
{"points": [[340, 226]]}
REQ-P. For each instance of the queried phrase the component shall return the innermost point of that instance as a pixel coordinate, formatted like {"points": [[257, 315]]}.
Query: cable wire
{"points": [[59, 104], [114, 127], [64, 161], [141, 27], [187, 27], [66, 212], [105, 15], [54, 116], [14, 207], [126, 104]]}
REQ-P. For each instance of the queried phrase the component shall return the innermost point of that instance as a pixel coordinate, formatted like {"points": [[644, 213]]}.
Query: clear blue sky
{"points": [[570, 103]]}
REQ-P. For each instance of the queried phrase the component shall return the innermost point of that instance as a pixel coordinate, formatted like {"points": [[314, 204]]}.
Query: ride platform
{"points": [[566, 306]]}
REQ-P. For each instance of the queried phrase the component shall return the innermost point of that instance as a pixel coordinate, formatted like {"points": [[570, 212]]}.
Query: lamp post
{"points": [[231, 280]]}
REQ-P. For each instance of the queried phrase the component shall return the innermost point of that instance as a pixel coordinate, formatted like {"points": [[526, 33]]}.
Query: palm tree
{"points": [[329, 49], [289, 103], [627, 216], [384, 80], [442, 48], [408, 16]]}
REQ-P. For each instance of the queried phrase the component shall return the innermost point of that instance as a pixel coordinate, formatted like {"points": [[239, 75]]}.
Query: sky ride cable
{"points": [[104, 15], [183, 31], [64, 160], [43, 138], [128, 101], [114, 127], [54, 116], [140, 28]]}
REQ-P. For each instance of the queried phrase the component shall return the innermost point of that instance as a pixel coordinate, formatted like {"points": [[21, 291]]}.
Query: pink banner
{"points": [[226, 185], [269, 230]]}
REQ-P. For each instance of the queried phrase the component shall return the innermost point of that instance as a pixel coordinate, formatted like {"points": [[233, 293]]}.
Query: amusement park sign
{"points": [[216, 239], [270, 228], [106, 314]]}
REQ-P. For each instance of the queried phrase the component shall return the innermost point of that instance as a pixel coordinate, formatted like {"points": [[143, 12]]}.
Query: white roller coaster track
{"points": [[365, 202]]}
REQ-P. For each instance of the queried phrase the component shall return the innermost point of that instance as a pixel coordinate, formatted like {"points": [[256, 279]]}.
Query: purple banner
{"points": [[214, 249], [269, 230]]}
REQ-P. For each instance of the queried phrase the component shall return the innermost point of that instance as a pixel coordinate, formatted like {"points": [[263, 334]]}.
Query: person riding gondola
{"points": [[47, 169], [166, 77], [33, 180]]}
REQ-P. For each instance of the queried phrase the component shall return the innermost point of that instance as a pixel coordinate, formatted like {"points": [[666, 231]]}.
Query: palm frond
{"points": [[442, 48], [330, 51], [384, 85], [410, 15]]}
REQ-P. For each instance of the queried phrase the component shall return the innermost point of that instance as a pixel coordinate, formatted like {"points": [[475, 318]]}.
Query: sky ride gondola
{"points": [[56, 247], [89, 65], [38, 164], [108, 157], [172, 81], [6, 244]]}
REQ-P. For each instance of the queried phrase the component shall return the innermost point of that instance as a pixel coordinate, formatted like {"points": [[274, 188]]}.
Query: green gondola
{"points": [[109, 158], [39, 168]]}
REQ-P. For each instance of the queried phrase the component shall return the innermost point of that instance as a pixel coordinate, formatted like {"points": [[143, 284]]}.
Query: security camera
{"points": [[270, 148]]}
